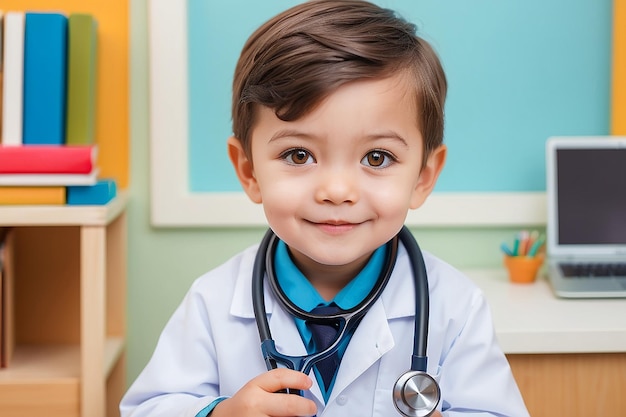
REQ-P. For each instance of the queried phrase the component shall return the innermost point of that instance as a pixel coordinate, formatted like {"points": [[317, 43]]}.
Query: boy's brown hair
{"points": [[296, 59]]}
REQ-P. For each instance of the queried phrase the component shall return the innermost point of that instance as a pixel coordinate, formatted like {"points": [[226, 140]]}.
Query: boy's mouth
{"points": [[334, 226]]}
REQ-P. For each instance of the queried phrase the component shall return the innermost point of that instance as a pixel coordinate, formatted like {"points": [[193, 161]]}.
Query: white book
{"points": [[49, 179], [1, 39], [1, 113], [13, 78]]}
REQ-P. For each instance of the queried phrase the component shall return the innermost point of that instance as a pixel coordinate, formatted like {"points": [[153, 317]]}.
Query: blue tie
{"points": [[323, 336]]}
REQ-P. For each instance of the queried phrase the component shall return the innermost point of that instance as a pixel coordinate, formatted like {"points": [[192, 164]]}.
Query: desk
{"points": [[568, 355]]}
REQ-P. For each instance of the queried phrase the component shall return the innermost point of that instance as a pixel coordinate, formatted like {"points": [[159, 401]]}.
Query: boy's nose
{"points": [[337, 187]]}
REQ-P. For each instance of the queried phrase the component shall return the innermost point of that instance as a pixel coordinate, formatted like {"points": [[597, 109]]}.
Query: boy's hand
{"points": [[260, 397]]}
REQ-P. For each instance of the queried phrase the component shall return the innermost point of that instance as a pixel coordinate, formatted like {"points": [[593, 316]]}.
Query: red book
{"points": [[47, 159]]}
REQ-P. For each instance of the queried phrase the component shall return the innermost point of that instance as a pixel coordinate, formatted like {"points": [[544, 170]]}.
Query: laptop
{"points": [[586, 225]]}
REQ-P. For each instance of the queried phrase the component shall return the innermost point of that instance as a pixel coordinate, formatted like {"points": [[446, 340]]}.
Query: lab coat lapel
{"points": [[371, 340], [285, 333], [282, 327], [288, 341]]}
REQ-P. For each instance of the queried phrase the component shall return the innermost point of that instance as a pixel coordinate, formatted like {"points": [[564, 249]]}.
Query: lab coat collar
{"points": [[399, 286], [399, 295], [241, 306]]}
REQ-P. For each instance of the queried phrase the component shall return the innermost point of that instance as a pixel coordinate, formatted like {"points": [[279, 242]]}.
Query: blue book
{"points": [[92, 195], [45, 68]]}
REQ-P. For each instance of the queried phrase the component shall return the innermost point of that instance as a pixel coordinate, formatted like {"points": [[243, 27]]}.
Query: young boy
{"points": [[338, 125]]}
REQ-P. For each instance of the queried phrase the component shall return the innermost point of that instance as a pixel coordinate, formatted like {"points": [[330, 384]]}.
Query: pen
{"points": [[525, 244], [524, 239], [515, 250], [536, 245], [506, 250]]}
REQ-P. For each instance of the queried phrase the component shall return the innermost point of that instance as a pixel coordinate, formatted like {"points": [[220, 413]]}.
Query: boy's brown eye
{"points": [[375, 158], [300, 156], [378, 159]]}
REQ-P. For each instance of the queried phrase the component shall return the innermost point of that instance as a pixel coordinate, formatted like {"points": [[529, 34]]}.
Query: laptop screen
{"points": [[591, 196]]}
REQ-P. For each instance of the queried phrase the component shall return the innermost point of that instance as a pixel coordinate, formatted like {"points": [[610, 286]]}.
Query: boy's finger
{"points": [[280, 379], [286, 405]]}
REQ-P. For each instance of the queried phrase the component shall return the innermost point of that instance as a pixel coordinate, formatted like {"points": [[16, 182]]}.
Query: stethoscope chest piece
{"points": [[416, 394]]}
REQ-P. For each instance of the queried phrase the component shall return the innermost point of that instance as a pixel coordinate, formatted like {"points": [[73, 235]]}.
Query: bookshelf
{"points": [[69, 310]]}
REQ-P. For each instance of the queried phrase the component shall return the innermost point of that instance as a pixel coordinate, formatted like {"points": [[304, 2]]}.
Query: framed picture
{"points": [[510, 88]]}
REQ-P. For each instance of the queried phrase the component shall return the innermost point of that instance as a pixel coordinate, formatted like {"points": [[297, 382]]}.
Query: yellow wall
{"points": [[112, 120], [618, 98]]}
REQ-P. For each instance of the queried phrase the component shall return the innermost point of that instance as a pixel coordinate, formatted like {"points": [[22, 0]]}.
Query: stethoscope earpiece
{"points": [[416, 394]]}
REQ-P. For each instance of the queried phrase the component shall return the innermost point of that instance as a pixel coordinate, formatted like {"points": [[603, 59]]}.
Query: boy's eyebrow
{"points": [[288, 133], [389, 134]]}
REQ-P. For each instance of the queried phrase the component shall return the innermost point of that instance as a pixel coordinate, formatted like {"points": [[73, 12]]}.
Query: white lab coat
{"points": [[210, 347]]}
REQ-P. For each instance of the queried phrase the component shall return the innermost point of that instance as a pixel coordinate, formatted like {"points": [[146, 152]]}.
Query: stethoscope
{"points": [[415, 393]]}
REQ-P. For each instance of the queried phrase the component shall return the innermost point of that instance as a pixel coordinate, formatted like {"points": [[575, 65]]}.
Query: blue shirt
{"points": [[300, 291]]}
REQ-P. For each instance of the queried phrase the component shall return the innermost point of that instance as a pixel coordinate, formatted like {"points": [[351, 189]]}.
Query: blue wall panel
{"points": [[518, 72]]}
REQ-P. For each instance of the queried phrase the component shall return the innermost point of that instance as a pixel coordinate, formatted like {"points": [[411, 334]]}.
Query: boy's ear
{"points": [[243, 169], [428, 176]]}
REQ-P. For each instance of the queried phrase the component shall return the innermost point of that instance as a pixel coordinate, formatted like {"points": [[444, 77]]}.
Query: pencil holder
{"points": [[523, 269]]}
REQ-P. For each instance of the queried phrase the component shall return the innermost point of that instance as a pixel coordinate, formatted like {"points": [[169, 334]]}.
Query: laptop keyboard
{"points": [[572, 270]]}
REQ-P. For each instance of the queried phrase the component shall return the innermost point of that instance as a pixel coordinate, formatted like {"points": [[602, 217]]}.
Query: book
{"points": [[7, 306], [47, 159], [1, 302], [32, 195], [3, 232], [12, 78], [49, 179], [99, 194], [81, 78], [45, 63], [1, 69]]}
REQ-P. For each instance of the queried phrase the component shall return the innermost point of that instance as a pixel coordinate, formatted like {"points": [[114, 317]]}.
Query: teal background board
{"points": [[518, 72]]}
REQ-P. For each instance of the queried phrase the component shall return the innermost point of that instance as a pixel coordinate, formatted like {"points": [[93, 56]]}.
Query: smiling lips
{"points": [[335, 226]]}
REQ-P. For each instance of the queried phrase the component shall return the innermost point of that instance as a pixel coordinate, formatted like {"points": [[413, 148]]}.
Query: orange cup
{"points": [[523, 269]]}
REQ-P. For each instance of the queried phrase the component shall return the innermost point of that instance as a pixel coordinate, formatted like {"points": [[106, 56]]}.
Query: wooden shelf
{"points": [[63, 215], [113, 351], [52, 398], [46, 363], [69, 317]]}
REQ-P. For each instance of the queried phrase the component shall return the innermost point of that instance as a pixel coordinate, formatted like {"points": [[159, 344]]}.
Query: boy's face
{"points": [[337, 183]]}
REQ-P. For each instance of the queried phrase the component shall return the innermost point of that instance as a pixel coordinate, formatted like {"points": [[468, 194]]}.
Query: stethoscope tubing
{"points": [[415, 393], [348, 320], [422, 307]]}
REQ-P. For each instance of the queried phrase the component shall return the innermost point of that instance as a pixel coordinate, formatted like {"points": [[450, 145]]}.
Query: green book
{"points": [[81, 79]]}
